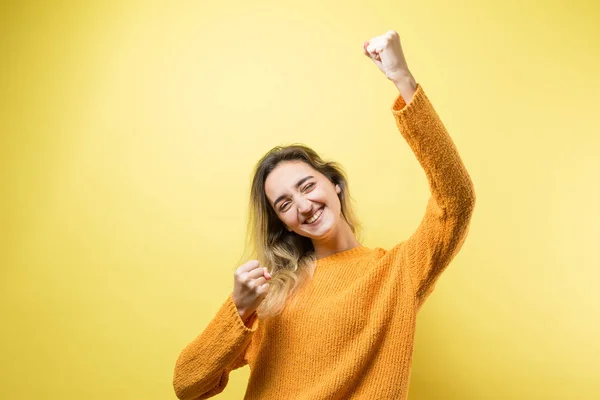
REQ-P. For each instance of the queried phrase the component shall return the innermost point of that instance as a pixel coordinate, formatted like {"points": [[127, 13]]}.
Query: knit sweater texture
{"points": [[352, 335]]}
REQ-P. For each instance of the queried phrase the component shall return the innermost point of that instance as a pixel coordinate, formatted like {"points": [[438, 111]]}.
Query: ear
{"points": [[338, 190]]}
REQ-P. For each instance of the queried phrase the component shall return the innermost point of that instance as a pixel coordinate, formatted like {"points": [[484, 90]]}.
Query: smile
{"points": [[316, 217]]}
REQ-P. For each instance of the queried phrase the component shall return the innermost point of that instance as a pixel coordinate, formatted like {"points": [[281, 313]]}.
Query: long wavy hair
{"points": [[289, 257]]}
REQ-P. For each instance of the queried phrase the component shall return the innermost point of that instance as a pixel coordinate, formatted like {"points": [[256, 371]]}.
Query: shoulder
{"points": [[393, 254]]}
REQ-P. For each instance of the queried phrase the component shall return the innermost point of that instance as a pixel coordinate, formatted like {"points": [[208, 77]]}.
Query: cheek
{"points": [[334, 199], [288, 218], [337, 205], [323, 196], [330, 199]]}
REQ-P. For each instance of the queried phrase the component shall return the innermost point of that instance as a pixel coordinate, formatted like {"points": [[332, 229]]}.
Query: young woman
{"points": [[317, 315]]}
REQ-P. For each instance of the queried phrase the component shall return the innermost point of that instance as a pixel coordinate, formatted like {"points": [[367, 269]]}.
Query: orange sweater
{"points": [[352, 335]]}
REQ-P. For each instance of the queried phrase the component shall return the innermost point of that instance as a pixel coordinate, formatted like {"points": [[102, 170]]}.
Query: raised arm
{"points": [[444, 227]]}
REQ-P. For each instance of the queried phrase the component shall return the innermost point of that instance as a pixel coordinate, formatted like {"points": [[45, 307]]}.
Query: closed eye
{"points": [[284, 205]]}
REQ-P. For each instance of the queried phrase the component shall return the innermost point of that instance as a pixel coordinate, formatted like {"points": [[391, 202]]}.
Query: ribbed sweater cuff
{"points": [[231, 310], [400, 108]]}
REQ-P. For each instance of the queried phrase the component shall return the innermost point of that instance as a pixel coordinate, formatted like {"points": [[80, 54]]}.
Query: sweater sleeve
{"points": [[202, 369], [445, 225]]}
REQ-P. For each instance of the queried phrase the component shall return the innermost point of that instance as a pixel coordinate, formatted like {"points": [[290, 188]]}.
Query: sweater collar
{"points": [[341, 256]]}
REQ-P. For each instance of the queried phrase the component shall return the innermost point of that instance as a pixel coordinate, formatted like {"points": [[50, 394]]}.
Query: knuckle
{"points": [[264, 288]]}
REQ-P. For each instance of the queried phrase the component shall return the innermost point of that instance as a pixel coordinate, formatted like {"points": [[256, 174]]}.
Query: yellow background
{"points": [[128, 135]]}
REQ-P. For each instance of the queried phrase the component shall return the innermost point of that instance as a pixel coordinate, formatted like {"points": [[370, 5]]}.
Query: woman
{"points": [[318, 315]]}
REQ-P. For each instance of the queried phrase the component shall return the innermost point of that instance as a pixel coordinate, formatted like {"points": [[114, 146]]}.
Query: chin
{"points": [[322, 232]]}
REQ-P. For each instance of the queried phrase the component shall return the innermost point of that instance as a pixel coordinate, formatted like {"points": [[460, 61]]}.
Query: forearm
{"points": [[427, 136], [407, 86], [444, 226], [204, 364]]}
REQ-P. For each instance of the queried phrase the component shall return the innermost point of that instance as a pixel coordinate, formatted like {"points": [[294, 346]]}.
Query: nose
{"points": [[304, 205]]}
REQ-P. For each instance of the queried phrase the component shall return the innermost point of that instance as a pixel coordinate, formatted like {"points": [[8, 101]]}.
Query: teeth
{"points": [[314, 217]]}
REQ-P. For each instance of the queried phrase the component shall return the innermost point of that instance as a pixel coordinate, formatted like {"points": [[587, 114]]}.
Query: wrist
{"points": [[404, 79], [248, 319], [407, 86], [244, 314], [399, 74]]}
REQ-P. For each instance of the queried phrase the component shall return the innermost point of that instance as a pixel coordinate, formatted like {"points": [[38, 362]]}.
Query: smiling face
{"points": [[305, 200]]}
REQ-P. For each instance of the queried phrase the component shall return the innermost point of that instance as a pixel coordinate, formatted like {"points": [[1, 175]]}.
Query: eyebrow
{"points": [[300, 182]]}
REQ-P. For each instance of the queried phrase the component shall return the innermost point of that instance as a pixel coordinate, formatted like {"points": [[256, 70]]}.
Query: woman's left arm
{"points": [[444, 226]]}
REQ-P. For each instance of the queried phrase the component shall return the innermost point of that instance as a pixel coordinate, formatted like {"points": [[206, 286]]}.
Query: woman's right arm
{"points": [[203, 367]]}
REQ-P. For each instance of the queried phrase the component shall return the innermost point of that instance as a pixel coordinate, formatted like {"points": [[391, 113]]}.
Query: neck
{"points": [[343, 239]]}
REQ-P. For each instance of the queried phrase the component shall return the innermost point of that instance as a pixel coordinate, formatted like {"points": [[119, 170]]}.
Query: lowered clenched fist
{"points": [[386, 52], [250, 287]]}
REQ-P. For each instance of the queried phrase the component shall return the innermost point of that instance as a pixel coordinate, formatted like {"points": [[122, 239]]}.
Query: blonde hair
{"points": [[288, 257]]}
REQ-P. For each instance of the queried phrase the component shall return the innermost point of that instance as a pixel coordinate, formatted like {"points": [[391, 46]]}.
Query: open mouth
{"points": [[316, 217]]}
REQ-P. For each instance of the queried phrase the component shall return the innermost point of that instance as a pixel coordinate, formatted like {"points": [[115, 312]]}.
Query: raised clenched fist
{"points": [[250, 287], [386, 52]]}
